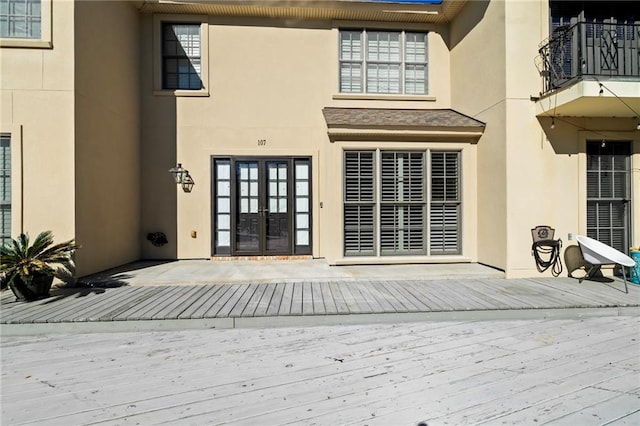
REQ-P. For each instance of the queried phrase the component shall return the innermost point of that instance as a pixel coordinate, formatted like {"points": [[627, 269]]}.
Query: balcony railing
{"points": [[590, 49]]}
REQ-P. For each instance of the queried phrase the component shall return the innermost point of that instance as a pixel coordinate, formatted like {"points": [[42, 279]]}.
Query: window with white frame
{"points": [[5, 189], [386, 62], [21, 19], [408, 205], [181, 56]]}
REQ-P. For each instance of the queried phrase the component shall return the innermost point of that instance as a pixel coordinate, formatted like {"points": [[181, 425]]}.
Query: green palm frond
{"points": [[24, 258]]}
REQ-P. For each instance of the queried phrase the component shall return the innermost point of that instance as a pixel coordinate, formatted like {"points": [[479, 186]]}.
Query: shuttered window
{"points": [[402, 204], [359, 203], [609, 193], [5, 189], [393, 221], [383, 62], [445, 203]]}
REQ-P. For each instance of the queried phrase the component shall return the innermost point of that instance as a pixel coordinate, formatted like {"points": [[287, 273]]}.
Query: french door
{"points": [[261, 206], [609, 193]]}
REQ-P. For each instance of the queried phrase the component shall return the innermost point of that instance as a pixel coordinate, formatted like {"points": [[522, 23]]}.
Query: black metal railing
{"points": [[590, 49]]}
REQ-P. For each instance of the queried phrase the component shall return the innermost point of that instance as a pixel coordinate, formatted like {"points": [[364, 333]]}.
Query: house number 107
{"points": [[262, 142]]}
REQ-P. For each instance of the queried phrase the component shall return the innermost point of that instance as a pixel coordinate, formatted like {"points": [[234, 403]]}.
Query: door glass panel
{"points": [[277, 223], [248, 219]]}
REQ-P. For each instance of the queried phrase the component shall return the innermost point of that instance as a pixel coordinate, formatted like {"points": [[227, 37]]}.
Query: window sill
{"points": [[382, 97], [25, 43], [182, 93], [396, 260]]}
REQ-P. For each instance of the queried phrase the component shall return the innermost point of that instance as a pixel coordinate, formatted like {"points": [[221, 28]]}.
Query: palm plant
{"points": [[29, 268]]}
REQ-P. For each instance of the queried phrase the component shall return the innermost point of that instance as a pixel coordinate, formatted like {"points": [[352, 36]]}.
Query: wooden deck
{"points": [[526, 372], [307, 303]]}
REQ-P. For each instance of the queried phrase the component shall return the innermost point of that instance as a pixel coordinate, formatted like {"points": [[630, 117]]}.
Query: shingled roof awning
{"points": [[427, 124]]}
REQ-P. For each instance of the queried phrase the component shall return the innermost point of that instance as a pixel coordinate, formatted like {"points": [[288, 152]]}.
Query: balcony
{"points": [[587, 49]]}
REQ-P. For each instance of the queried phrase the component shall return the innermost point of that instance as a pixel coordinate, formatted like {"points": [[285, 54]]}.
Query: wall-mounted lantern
{"points": [[182, 177], [187, 182], [178, 173]]}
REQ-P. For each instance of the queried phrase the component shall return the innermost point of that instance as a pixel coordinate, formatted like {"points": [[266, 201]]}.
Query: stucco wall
{"points": [[107, 134], [37, 109], [477, 45], [268, 80]]}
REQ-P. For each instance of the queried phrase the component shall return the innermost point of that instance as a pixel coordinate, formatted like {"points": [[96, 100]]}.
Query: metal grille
{"points": [[609, 192], [5, 189]]}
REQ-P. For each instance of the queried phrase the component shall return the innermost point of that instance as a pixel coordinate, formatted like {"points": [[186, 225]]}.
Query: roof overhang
{"points": [[349, 10], [587, 98], [346, 124]]}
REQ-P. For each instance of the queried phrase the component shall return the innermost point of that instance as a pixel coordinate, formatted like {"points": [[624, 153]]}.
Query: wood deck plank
{"points": [[124, 304], [361, 288], [307, 298], [238, 298], [432, 295], [166, 303], [286, 306], [377, 302], [413, 304], [355, 306], [389, 295], [201, 304], [328, 299], [141, 304], [451, 294], [296, 299], [263, 306], [276, 300], [253, 303], [113, 304], [66, 300], [187, 300], [318, 299], [338, 298], [213, 304]]}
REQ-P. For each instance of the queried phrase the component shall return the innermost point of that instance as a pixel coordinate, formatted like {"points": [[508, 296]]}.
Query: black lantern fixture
{"points": [[178, 173], [182, 177], [187, 182]]}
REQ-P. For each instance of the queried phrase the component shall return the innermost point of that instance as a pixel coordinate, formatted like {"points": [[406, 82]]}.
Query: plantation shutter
{"points": [[402, 207], [608, 193], [5, 189], [445, 203], [359, 203]]}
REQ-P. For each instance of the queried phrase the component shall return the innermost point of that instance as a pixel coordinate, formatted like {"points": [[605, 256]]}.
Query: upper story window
{"points": [[393, 62], [181, 56], [21, 19]]}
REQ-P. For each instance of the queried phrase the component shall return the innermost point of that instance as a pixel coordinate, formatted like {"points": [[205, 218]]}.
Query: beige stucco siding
{"points": [[106, 135], [268, 80], [477, 45], [36, 91]]}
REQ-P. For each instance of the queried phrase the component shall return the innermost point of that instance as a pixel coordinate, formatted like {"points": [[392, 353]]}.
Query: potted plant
{"points": [[28, 269]]}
